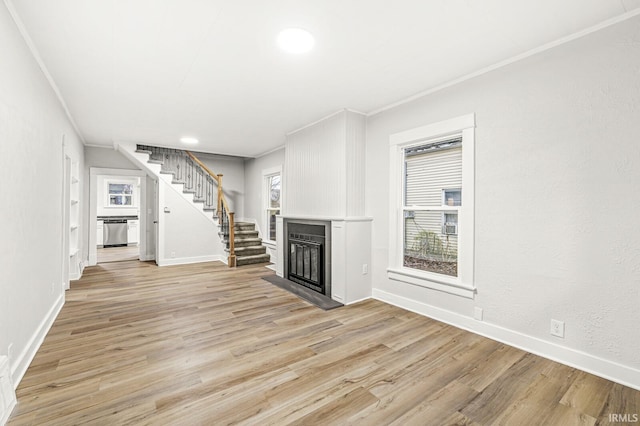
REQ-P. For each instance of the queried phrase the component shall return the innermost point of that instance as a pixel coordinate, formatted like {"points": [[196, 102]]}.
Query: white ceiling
{"points": [[151, 71]]}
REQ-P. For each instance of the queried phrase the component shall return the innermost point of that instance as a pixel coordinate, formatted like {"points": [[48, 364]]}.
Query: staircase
{"points": [[248, 245], [243, 245]]}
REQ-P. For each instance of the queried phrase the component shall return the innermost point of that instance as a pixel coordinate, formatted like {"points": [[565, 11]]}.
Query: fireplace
{"points": [[308, 254]]}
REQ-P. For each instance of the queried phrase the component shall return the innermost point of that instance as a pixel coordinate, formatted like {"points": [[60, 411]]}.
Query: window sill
{"points": [[432, 281]]}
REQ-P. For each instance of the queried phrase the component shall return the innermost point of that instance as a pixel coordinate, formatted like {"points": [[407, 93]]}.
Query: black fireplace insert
{"points": [[307, 252]]}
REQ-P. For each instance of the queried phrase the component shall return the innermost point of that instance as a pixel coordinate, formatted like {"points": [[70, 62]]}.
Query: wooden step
{"points": [[241, 235], [250, 250], [244, 226], [247, 242], [246, 234], [250, 260]]}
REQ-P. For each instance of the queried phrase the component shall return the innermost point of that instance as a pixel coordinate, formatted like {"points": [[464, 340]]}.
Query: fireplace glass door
{"points": [[305, 263]]}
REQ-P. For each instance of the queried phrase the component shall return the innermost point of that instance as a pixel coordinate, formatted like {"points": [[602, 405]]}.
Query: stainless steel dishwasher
{"points": [[115, 232]]}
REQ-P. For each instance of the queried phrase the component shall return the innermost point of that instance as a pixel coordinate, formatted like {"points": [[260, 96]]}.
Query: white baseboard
{"points": [[357, 301], [6, 413], [7, 391], [187, 260], [22, 362], [609, 370], [147, 257]]}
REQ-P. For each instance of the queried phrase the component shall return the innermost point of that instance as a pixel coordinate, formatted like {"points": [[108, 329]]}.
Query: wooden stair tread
{"points": [[249, 250], [241, 233], [245, 240], [250, 260]]}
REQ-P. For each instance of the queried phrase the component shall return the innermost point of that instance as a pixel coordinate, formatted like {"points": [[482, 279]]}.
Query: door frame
{"points": [[94, 172]]}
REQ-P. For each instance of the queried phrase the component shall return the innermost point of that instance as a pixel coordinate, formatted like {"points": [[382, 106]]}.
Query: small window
{"points": [[450, 224], [451, 197], [120, 194], [273, 199]]}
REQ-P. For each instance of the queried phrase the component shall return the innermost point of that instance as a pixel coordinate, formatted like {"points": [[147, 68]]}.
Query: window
{"points": [[450, 224], [120, 194], [432, 197], [273, 198], [451, 197]]}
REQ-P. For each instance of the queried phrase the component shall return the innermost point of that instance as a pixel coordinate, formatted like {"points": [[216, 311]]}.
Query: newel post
{"points": [[232, 242]]}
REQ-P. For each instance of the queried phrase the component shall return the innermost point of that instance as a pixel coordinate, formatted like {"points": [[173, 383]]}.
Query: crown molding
{"points": [[609, 22], [36, 55]]}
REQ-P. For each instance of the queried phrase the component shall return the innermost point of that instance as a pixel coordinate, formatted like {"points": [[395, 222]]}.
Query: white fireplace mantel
{"points": [[350, 255]]}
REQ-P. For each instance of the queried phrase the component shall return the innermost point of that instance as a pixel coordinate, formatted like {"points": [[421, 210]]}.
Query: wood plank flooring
{"points": [[117, 254], [205, 344]]}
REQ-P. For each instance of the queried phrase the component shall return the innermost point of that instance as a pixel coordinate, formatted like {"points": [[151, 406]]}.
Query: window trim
{"points": [[462, 285], [266, 191]]}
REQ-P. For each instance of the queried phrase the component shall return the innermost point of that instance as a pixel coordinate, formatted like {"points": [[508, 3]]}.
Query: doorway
{"points": [[119, 214]]}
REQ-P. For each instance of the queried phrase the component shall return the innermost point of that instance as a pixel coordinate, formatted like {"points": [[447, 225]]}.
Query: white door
{"points": [[156, 215]]}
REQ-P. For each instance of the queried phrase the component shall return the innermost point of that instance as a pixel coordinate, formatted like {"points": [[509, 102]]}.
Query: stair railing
{"points": [[225, 216]]}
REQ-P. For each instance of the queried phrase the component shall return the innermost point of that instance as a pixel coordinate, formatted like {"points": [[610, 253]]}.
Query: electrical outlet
{"points": [[173, 254], [557, 328], [365, 269], [477, 313]]}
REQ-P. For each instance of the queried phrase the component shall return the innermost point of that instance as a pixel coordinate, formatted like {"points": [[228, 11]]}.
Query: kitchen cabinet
{"points": [[132, 232]]}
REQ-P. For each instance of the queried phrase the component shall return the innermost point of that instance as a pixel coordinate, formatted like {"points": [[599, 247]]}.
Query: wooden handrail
{"points": [[205, 168], [222, 202]]}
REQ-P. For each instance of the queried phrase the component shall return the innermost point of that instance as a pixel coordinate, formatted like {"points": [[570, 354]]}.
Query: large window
{"points": [[432, 197], [272, 199]]}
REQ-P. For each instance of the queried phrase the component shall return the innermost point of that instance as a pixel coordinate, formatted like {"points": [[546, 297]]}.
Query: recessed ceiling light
{"points": [[295, 40], [189, 141]]}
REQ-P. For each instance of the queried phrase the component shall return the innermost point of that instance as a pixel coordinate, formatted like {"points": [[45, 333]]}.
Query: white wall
{"points": [[557, 198], [189, 236], [232, 169], [32, 125], [325, 167], [107, 158], [254, 183]]}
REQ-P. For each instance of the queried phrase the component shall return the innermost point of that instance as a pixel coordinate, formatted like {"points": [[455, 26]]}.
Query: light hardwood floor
{"points": [[117, 254], [205, 344]]}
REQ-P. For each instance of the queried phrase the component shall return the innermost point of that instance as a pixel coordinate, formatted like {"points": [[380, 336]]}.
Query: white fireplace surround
{"points": [[324, 180], [350, 255]]}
